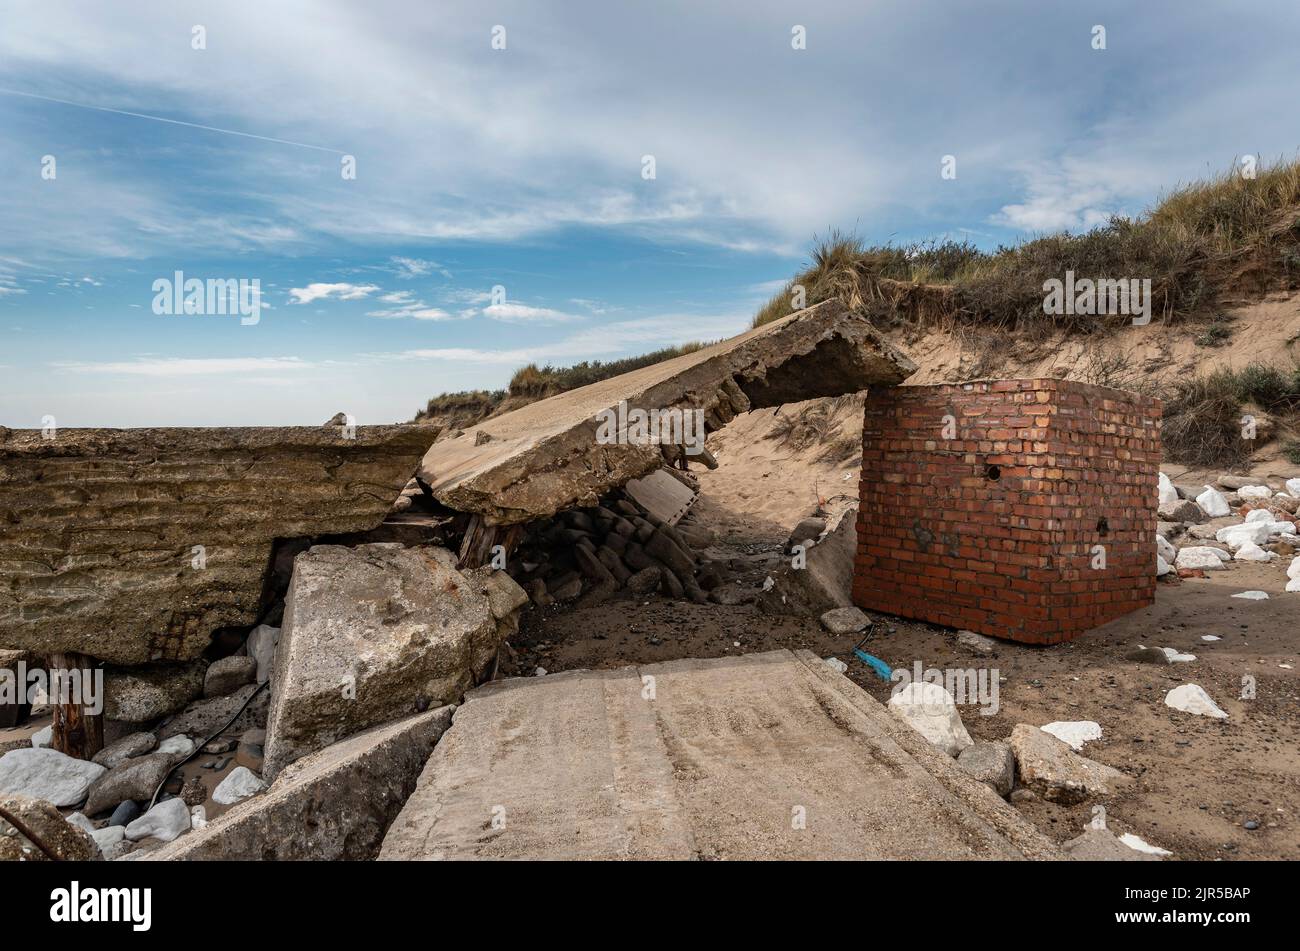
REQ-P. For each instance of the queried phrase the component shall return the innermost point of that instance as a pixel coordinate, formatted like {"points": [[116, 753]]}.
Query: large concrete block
{"points": [[375, 633]]}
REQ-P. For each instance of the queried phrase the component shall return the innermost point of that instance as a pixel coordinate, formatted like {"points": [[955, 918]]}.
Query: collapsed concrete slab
{"points": [[333, 805], [135, 545], [764, 756], [545, 457], [375, 633], [818, 576]]}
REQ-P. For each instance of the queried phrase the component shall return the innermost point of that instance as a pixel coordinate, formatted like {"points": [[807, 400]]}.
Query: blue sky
{"points": [[522, 167]]}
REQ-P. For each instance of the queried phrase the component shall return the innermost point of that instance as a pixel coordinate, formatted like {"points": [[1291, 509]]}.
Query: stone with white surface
{"points": [[164, 822], [1192, 698], [1213, 503], [1234, 536], [929, 709], [47, 774], [1074, 732], [1166, 489], [261, 647], [1050, 768], [1165, 548], [1199, 556], [1255, 492], [1252, 552], [240, 784], [1252, 595]]}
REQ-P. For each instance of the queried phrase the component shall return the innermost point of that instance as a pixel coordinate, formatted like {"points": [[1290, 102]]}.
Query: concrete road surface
{"points": [[764, 756]]}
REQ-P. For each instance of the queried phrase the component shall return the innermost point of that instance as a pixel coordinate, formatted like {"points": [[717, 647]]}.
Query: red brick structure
{"points": [[1020, 509]]}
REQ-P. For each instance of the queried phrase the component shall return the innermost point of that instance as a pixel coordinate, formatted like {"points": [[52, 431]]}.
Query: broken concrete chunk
{"points": [[371, 634], [992, 763], [52, 838], [545, 457], [843, 621], [1054, 771], [339, 802], [135, 545]]}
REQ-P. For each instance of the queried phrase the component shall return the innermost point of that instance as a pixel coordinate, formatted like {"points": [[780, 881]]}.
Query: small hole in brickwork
{"points": [[1102, 527], [992, 473]]}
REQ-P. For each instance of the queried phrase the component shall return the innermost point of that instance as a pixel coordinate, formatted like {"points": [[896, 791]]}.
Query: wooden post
{"points": [[480, 538], [77, 732]]}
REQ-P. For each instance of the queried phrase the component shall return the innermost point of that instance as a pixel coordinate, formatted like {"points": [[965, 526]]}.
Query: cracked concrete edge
{"points": [[544, 457]]}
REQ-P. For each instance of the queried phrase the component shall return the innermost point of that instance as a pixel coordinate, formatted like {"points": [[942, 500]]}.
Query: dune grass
{"points": [[1228, 233]]}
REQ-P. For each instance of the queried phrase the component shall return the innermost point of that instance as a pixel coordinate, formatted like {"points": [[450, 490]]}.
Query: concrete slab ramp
{"points": [[765, 756]]}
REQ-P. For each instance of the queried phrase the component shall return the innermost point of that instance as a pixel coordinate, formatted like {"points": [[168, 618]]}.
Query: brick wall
{"points": [[982, 503]]}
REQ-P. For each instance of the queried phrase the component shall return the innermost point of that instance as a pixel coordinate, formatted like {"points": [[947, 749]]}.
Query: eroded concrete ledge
{"points": [[132, 545], [544, 458]]}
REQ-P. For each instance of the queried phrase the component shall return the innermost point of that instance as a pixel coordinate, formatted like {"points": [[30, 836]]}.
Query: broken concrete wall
{"points": [[820, 578], [135, 545], [545, 457]]}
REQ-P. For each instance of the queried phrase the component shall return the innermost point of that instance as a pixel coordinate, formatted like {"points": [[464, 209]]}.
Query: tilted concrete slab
{"points": [[133, 545], [333, 805], [544, 457], [765, 756]]}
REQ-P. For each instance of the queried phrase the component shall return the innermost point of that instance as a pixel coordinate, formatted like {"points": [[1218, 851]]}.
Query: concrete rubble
{"points": [[544, 458], [375, 633], [136, 545], [338, 802]]}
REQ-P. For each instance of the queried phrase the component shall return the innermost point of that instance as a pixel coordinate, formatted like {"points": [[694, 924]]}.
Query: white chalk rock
{"points": [[1190, 698], [164, 822], [1199, 556], [1167, 491], [240, 784], [1293, 569], [1252, 595], [1213, 503], [1136, 844], [47, 774], [838, 665], [1162, 567], [1293, 584], [1178, 657], [1255, 492], [1293, 488], [929, 710], [43, 738], [198, 818], [1211, 637], [1165, 548], [1074, 732], [1281, 528], [261, 647], [1252, 552], [1234, 536], [1259, 515]]}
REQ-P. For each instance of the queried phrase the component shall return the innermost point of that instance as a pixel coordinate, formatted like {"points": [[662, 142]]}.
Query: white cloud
{"points": [[416, 310], [522, 313], [313, 292], [407, 268], [397, 297], [185, 366]]}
